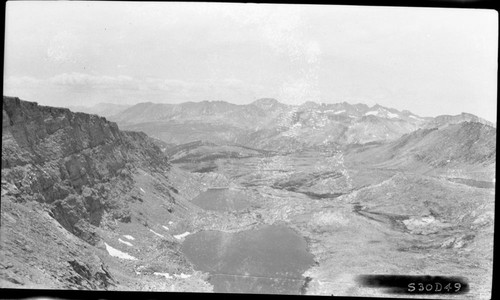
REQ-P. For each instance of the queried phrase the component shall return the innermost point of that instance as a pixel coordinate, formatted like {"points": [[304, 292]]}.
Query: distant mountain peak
{"points": [[464, 114], [445, 120], [266, 103], [310, 104], [213, 101], [146, 103]]}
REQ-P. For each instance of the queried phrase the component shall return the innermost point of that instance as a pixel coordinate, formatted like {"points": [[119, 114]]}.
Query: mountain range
{"points": [[268, 124]]}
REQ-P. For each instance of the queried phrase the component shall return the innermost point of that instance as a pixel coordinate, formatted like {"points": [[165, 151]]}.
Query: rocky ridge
{"points": [[268, 124], [71, 184], [70, 161]]}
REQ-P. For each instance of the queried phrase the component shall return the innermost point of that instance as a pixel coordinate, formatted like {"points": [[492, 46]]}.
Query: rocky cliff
{"points": [[68, 181], [72, 161]]}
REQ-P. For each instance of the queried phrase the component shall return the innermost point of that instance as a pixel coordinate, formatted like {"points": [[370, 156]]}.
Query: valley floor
{"points": [[377, 222], [355, 221]]}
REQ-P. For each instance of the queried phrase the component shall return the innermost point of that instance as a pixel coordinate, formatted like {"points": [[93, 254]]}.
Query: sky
{"points": [[430, 61]]}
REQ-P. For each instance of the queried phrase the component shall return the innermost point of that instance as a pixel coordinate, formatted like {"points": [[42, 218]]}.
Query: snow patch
{"points": [[416, 118], [125, 242], [142, 191], [423, 225], [339, 112], [166, 275], [392, 116], [373, 112], [160, 235], [181, 236], [129, 237], [170, 223], [165, 227], [117, 253]]}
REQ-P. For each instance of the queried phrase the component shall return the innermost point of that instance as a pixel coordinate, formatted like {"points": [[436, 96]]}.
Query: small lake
{"points": [[222, 199], [269, 260]]}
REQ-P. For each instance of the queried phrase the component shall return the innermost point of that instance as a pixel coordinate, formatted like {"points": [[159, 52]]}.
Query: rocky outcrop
{"points": [[77, 164], [68, 179], [37, 252]]}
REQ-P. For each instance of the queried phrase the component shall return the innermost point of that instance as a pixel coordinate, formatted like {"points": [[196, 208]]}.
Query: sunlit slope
{"points": [[456, 150]]}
